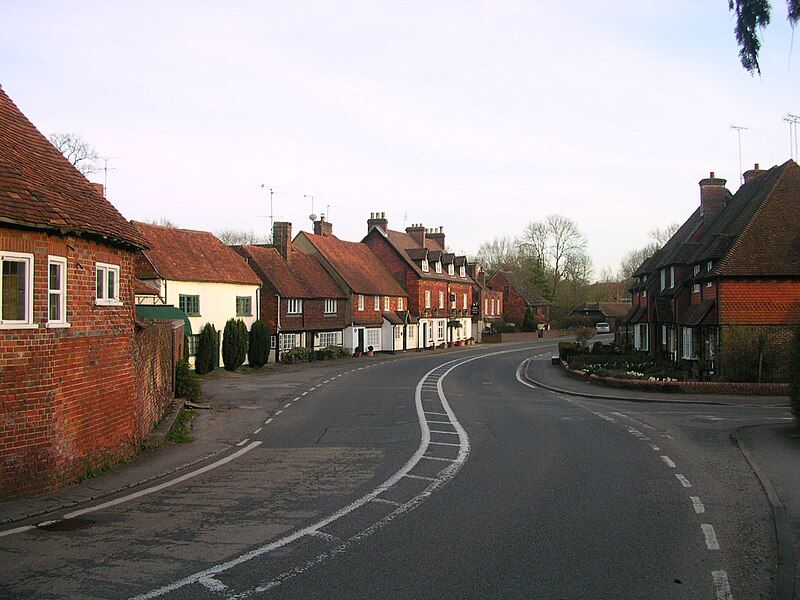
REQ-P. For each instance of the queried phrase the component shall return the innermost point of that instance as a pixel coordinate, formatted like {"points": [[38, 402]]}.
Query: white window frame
{"points": [[441, 299], [289, 341], [672, 277], [709, 265], [696, 270], [663, 279], [486, 306], [330, 306], [641, 337], [294, 306], [400, 303], [438, 266], [62, 292], [27, 323], [387, 303], [105, 269], [376, 303], [664, 336], [696, 288], [328, 338], [708, 284], [499, 306], [451, 269], [462, 271], [425, 265], [644, 293], [440, 330], [689, 351], [249, 314], [361, 302], [427, 298], [465, 300]]}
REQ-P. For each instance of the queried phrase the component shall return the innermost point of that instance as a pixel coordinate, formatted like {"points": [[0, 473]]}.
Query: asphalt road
{"points": [[435, 477]]}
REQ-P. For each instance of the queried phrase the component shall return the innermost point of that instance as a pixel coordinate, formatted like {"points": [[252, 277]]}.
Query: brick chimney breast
{"points": [[713, 195], [377, 219], [752, 173], [322, 227], [417, 233], [282, 238], [437, 235], [100, 188]]}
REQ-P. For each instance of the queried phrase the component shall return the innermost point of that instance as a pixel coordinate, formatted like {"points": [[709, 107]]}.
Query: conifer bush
{"points": [[207, 350], [234, 344], [529, 322], [258, 346]]}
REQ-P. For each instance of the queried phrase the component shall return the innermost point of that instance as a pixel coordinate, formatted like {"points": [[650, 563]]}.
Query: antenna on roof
{"points": [[739, 129], [106, 169], [792, 120], [312, 217], [271, 215]]}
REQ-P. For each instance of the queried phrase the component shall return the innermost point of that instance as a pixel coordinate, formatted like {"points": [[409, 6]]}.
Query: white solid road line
{"points": [[165, 485], [445, 432], [243, 442], [711, 536], [668, 461], [17, 530], [684, 482], [698, 505], [212, 584], [722, 586]]}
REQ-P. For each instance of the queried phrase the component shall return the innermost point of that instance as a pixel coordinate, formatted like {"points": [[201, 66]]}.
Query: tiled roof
{"points": [[145, 288], [412, 252], [530, 296], [357, 266], [615, 310], [39, 188], [301, 277], [187, 255], [635, 315], [392, 317], [695, 314]]}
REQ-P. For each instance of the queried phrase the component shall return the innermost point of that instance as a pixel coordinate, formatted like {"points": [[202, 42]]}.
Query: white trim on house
{"points": [[107, 280], [60, 292], [28, 260]]}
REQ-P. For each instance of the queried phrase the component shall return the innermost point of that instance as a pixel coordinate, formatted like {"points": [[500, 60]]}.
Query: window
{"points": [[486, 305], [387, 303], [465, 301], [427, 298], [330, 306], [441, 299], [361, 302], [672, 277], [272, 342], [244, 306], [440, 330], [398, 332], [644, 293], [709, 265], [294, 306], [697, 270], [16, 287], [400, 304], [499, 306], [696, 288], [191, 305], [438, 266], [376, 303], [107, 284], [328, 338], [289, 341], [663, 278], [664, 336], [56, 290], [372, 338], [451, 269], [641, 339], [462, 271], [191, 344], [411, 332], [425, 266], [689, 349], [708, 284]]}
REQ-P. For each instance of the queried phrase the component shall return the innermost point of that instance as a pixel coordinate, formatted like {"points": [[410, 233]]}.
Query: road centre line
{"points": [[711, 536], [17, 530], [698, 505], [654, 447], [722, 586], [268, 421], [296, 399], [441, 371], [277, 412], [257, 431], [287, 405], [684, 482], [243, 442], [668, 461], [304, 393]]}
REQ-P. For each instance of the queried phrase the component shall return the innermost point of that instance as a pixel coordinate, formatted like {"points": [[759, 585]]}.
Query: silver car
{"points": [[603, 328]]}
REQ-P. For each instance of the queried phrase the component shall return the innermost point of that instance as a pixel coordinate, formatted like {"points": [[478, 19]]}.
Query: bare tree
{"points": [[565, 242], [234, 237], [752, 15], [500, 253], [535, 239], [662, 236], [163, 222], [82, 156]]}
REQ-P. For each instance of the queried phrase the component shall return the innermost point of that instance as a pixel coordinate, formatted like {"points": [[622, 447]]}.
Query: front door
{"points": [[361, 340], [424, 335]]}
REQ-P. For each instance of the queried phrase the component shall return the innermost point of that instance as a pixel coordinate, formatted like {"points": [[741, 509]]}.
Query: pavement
{"points": [[431, 475]]}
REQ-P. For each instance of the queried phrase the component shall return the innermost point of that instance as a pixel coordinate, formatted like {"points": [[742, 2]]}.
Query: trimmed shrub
{"points": [[234, 344], [566, 350], [258, 345], [187, 382], [794, 374], [295, 355], [206, 359], [330, 352], [747, 354], [529, 322]]}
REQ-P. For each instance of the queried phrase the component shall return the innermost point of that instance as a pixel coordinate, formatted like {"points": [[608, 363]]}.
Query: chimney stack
{"points": [[282, 238], [102, 190], [417, 233], [377, 219], [322, 227], [437, 235], [713, 196], [752, 173]]}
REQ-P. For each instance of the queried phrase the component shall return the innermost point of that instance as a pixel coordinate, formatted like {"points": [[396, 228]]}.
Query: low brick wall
{"points": [[684, 387], [523, 336]]}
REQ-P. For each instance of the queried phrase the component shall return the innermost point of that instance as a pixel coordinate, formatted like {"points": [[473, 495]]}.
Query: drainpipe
{"points": [[278, 332]]}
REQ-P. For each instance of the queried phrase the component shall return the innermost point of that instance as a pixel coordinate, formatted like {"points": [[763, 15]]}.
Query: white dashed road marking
{"points": [[243, 442], [684, 482], [668, 461], [698, 505], [722, 586], [711, 536]]}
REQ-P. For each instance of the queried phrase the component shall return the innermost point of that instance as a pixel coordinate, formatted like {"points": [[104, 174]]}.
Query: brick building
{"points": [[487, 304], [519, 299], [300, 302], [731, 270], [376, 310], [72, 395], [603, 312], [439, 287]]}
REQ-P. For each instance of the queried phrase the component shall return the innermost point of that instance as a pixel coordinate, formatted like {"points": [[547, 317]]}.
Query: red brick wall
{"points": [[67, 396], [759, 302], [514, 305], [371, 316]]}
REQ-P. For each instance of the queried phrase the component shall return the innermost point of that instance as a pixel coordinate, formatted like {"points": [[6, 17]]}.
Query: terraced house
{"points": [[376, 310], [519, 300], [729, 276], [439, 287], [300, 301], [195, 272]]}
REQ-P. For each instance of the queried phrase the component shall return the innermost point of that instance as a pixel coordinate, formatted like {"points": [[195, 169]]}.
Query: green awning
{"points": [[164, 313]]}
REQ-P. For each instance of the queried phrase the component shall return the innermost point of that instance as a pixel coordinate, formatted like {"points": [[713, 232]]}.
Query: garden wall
{"points": [[524, 336]]}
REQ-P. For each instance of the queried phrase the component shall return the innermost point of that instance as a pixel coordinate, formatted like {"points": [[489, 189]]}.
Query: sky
{"points": [[476, 116]]}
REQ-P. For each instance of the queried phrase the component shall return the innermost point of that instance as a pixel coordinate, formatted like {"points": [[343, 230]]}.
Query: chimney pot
{"points": [[377, 219], [752, 173], [282, 238], [713, 196]]}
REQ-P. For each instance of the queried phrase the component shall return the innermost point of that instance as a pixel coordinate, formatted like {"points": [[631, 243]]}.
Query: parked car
{"points": [[603, 328]]}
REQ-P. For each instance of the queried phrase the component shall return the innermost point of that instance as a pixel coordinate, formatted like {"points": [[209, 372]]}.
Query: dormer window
{"points": [[672, 277], [697, 270], [451, 270], [462, 271], [709, 266], [663, 279], [425, 266], [438, 266]]}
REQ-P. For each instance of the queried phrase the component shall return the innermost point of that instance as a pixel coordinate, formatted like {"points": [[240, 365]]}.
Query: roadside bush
{"points": [[529, 322], [296, 355], [566, 350], [503, 327], [330, 352], [794, 373], [584, 335], [207, 350], [747, 353], [187, 382], [258, 345], [234, 344], [579, 322]]}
